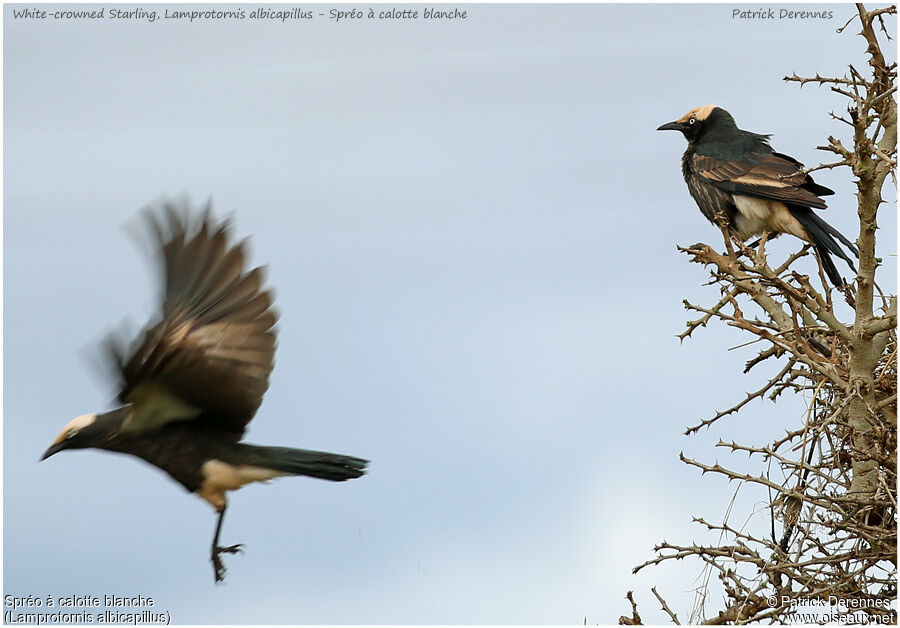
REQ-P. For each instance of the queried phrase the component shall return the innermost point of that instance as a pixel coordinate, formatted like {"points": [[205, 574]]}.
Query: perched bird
{"points": [[758, 191], [194, 379]]}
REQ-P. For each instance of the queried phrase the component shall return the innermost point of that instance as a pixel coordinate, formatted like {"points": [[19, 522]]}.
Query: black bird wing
{"points": [[207, 360], [763, 175]]}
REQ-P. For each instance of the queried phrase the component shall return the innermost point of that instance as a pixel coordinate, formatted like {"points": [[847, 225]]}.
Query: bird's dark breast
{"points": [[179, 449], [710, 199]]}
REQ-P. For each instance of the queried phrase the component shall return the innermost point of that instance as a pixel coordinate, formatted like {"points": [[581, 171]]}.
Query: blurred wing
{"points": [[208, 360], [773, 176]]}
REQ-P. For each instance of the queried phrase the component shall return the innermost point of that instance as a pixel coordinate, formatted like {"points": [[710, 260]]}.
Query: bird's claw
{"points": [[218, 565], [231, 549]]}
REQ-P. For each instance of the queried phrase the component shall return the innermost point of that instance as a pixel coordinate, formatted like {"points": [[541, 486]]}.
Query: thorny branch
{"points": [[831, 483]]}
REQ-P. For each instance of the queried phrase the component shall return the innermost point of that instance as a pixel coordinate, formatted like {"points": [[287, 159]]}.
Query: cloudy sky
{"points": [[471, 229]]}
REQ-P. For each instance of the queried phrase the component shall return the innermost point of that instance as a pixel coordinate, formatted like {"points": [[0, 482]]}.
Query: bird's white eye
{"points": [[71, 433], [692, 120]]}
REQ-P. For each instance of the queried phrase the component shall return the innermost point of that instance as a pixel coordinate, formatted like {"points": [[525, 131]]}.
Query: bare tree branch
{"points": [[830, 482]]}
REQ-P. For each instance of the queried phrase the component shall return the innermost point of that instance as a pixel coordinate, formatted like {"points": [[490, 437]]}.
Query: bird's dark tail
{"points": [[314, 464], [823, 238]]}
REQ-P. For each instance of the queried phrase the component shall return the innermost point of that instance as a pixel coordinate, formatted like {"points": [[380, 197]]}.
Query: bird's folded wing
{"points": [[773, 176], [209, 357]]}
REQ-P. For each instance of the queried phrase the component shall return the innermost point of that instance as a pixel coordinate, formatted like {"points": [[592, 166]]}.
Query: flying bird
{"points": [[192, 381], [737, 174]]}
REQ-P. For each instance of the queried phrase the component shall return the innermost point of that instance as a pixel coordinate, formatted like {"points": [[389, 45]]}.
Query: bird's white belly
{"points": [[758, 215], [219, 477]]}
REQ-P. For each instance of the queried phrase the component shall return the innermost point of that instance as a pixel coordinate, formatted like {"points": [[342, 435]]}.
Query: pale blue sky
{"points": [[470, 228]]}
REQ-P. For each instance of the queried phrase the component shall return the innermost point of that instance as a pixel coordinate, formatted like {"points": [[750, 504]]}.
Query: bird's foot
{"points": [[218, 565]]}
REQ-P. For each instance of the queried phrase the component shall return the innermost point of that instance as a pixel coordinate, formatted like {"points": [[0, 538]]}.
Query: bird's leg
{"points": [[721, 220], [762, 244], [218, 565]]}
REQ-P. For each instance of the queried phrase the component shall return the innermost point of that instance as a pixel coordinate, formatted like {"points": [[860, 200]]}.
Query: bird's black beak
{"points": [[53, 449], [672, 126]]}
